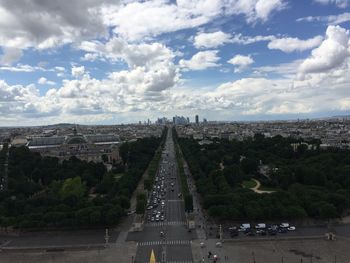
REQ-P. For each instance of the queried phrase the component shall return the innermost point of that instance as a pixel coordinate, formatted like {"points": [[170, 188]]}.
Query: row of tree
{"points": [[308, 181], [44, 192], [188, 198]]}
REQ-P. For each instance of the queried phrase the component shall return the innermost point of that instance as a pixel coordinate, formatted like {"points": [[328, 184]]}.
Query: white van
{"points": [[260, 226], [244, 227]]}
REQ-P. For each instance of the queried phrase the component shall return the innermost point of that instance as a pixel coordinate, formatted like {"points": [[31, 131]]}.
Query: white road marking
{"points": [[168, 242]]}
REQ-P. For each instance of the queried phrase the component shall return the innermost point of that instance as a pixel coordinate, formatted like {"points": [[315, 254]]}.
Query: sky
{"points": [[121, 61]]}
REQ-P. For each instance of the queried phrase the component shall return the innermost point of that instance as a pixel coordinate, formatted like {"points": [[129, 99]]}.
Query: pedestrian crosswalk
{"points": [[167, 223], [167, 242]]}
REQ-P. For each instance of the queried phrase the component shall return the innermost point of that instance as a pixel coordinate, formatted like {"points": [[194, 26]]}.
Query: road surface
{"points": [[175, 244]]}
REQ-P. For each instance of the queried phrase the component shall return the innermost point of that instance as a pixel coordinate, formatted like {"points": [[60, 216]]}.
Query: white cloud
{"points": [[22, 68], [338, 3], [61, 69], [211, 40], [48, 24], [133, 54], [332, 52], [284, 69], [137, 20], [10, 55], [289, 44], [264, 8], [242, 62], [331, 19], [78, 71], [148, 19], [201, 60], [44, 81]]}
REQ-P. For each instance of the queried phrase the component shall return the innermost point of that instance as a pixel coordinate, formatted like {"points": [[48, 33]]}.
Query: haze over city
{"points": [[107, 62]]}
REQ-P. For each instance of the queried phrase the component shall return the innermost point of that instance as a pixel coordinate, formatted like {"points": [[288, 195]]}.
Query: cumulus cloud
{"points": [[44, 81], [338, 3], [242, 62], [211, 40], [134, 54], [47, 24], [290, 44], [147, 19], [332, 53], [201, 60], [78, 71], [264, 8]]}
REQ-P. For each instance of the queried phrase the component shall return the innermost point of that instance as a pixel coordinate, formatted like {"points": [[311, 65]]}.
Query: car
{"points": [[149, 207], [162, 218], [260, 226], [284, 225], [291, 228], [152, 219]]}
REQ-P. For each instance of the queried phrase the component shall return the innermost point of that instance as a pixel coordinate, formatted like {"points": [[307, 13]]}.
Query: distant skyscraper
{"points": [[173, 120], [197, 119], [205, 120], [188, 120]]}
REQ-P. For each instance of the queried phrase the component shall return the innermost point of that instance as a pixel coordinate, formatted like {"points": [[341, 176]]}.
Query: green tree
{"points": [[73, 187]]}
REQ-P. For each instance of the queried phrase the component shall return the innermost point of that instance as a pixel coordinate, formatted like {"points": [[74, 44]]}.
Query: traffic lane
{"points": [[178, 253], [38, 239], [176, 211], [343, 230], [143, 253], [180, 232], [149, 233]]}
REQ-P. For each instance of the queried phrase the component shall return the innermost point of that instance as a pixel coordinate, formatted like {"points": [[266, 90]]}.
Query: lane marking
{"points": [[167, 242], [168, 223]]}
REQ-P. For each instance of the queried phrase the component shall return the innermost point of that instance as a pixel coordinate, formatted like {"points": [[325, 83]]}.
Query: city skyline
{"points": [[101, 62]]}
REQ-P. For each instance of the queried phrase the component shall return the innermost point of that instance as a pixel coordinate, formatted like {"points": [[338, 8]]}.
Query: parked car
{"points": [[291, 228], [284, 225], [260, 226], [244, 227]]}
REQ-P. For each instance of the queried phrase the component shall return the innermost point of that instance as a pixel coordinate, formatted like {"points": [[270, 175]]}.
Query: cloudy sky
{"points": [[107, 62]]}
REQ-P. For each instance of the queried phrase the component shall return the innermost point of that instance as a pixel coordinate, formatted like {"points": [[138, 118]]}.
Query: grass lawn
{"points": [[249, 184]]}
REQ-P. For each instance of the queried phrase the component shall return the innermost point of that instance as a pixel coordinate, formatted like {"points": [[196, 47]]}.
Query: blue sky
{"points": [[104, 61]]}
